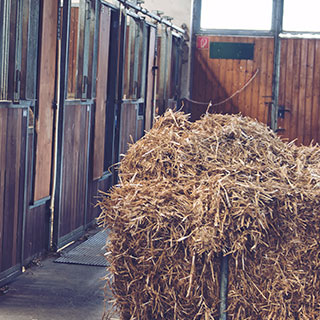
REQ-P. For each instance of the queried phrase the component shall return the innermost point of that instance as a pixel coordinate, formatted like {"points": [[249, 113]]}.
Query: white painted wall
{"points": [[180, 10]]}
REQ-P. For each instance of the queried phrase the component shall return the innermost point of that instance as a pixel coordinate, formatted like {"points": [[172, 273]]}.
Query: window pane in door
{"points": [[236, 15], [301, 15]]}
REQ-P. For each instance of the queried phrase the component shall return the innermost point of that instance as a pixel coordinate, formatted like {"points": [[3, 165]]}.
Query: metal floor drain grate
{"points": [[89, 252]]}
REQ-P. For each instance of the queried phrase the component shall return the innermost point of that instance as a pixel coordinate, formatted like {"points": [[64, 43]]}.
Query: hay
{"points": [[189, 191]]}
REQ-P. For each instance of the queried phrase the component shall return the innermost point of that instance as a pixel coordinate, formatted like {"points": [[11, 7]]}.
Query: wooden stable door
{"points": [[299, 91], [220, 73], [137, 111], [13, 148]]}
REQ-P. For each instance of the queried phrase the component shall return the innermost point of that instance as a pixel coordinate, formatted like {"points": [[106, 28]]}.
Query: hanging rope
{"points": [[209, 104]]}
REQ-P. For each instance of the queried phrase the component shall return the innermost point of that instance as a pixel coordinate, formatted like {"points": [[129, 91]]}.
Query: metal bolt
{"points": [[167, 18]]}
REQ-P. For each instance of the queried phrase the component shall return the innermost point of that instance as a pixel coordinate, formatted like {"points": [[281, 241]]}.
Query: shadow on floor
{"points": [[55, 291]]}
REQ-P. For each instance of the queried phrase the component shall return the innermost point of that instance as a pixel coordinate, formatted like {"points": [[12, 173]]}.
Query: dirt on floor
{"points": [[55, 291]]}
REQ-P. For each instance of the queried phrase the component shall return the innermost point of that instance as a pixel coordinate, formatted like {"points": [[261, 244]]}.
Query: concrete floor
{"points": [[55, 291]]}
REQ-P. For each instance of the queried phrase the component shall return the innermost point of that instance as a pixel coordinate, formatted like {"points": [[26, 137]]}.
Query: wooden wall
{"points": [[101, 99], [37, 217], [74, 170], [131, 125], [217, 79], [44, 115], [13, 137], [300, 90], [299, 85]]}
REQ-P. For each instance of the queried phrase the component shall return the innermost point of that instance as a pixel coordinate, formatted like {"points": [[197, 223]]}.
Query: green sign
{"points": [[231, 50]]}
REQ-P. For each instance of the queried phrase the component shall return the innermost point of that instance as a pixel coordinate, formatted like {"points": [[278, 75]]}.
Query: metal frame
{"points": [[144, 11], [63, 95], [121, 70], [64, 102], [112, 88]]}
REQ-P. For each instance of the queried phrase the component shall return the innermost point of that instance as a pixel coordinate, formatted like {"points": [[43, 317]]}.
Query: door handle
{"points": [[281, 111]]}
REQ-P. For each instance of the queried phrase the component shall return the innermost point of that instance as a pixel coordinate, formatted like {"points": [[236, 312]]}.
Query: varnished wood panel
{"points": [[128, 126], [94, 195], [73, 52], [37, 218], [13, 133], [74, 170], [150, 80], [217, 79], [36, 232], [300, 90], [102, 78], [44, 121]]}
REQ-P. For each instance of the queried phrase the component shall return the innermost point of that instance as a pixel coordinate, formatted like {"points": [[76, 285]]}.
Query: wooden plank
{"points": [[102, 78], [316, 95], [150, 79], [13, 188], [261, 82], [24, 49], [234, 107], [44, 121], [215, 86], [296, 90], [10, 212], [16, 235], [37, 231], [3, 145], [302, 91], [268, 92], [282, 84], [73, 52], [289, 89], [81, 48], [128, 126], [309, 83]]}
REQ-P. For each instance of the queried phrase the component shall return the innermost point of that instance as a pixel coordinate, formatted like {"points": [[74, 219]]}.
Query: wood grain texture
{"points": [[300, 90], [217, 79], [44, 121], [102, 80], [37, 232], [128, 126], [74, 171], [73, 52], [13, 131], [94, 195]]}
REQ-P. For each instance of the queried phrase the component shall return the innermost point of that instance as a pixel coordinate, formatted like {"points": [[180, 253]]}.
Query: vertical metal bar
{"points": [[95, 49], [136, 66], [122, 48], [5, 13], [113, 78], [195, 28], [18, 45], [144, 60], [32, 53], [25, 189], [87, 201], [224, 286], [277, 27], [63, 95], [86, 47]]}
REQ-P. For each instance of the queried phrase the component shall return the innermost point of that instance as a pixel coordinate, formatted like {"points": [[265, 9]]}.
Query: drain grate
{"points": [[89, 252]]}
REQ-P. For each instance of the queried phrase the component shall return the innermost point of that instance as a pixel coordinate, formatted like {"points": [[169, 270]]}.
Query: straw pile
{"points": [[189, 191]]}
